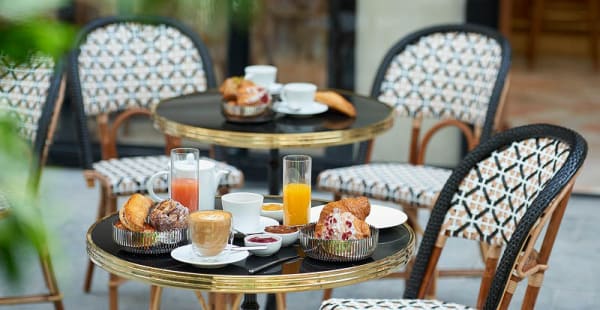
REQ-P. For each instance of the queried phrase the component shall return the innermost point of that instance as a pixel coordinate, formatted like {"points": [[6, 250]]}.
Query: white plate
{"points": [[380, 216], [264, 222], [305, 110], [185, 254]]}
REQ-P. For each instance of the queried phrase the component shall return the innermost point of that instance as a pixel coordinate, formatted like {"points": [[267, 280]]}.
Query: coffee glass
{"points": [[296, 189], [295, 95], [210, 232], [245, 209], [262, 75]]}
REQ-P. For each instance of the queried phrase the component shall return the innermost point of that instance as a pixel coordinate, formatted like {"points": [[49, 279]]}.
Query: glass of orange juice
{"points": [[296, 189], [183, 185]]}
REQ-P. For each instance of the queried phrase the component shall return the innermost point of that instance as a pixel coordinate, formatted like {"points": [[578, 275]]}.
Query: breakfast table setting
{"points": [[255, 112], [245, 242]]}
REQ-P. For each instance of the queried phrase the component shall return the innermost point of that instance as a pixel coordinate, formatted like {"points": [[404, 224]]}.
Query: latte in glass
{"points": [[209, 231]]}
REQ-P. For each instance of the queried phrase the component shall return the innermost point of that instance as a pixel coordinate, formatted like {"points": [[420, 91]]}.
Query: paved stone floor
{"points": [[69, 209]]}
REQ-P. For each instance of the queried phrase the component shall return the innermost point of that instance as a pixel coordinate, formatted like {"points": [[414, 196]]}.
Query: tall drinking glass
{"points": [[296, 189], [183, 185]]}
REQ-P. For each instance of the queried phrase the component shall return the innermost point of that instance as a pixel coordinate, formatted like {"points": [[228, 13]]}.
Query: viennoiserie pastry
{"points": [[135, 211], [344, 220], [336, 102], [168, 215]]}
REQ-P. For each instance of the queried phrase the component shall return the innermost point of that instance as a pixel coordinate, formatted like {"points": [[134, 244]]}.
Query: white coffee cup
{"points": [[295, 95], [245, 208], [262, 75]]}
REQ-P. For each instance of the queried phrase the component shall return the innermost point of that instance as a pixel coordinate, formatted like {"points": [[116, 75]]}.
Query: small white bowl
{"points": [[276, 215], [272, 247], [287, 239]]}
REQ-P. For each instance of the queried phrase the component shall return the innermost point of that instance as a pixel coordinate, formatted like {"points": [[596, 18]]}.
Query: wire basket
{"points": [[337, 250], [158, 242]]}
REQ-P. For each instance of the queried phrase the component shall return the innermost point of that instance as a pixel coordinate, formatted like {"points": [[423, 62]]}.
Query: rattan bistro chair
{"points": [[452, 73], [121, 67], [32, 94], [504, 193], [456, 74]]}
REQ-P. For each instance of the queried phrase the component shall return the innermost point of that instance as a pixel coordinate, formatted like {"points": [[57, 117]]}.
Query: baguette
{"points": [[336, 102]]}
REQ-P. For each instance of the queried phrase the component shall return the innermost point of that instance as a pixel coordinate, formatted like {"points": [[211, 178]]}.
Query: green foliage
{"points": [[25, 28], [22, 227]]}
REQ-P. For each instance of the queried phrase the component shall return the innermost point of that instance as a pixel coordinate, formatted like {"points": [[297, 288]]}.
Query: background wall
{"points": [[380, 24]]}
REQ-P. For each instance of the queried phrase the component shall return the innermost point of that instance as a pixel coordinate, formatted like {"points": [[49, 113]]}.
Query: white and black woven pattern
{"points": [[128, 64], [421, 304], [397, 182], [497, 192], [129, 175], [444, 75], [23, 92]]}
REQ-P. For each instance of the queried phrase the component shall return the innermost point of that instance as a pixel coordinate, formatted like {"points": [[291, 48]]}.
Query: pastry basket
{"points": [[158, 242], [337, 250]]}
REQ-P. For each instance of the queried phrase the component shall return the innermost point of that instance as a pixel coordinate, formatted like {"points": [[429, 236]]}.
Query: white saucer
{"points": [[380, 216], [264, 222], [311, 108], [186, 255]]}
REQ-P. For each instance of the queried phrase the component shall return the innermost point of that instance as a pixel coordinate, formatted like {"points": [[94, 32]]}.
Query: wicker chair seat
{"points": [[425, 304], [397, 182], [129, 175]]}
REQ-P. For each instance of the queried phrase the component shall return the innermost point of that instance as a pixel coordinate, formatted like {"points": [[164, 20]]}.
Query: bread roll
{"points": [[336, 102], [359, 206], [135, 211]]}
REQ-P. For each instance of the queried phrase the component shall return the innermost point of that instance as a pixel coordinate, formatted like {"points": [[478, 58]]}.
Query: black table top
{"points": [[391, 241], [203, 110]]}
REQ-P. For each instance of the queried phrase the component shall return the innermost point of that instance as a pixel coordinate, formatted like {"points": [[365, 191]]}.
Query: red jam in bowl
{"points": [[262, 239]]}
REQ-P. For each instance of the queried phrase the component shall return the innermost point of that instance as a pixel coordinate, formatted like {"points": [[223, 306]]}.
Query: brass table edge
{"points": [[272, 140], [249, 283]]}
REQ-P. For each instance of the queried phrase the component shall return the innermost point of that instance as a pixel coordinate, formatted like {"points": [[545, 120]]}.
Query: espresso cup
{"points": [[209, 231], [262, 75], [295, 95], [245, 209]]}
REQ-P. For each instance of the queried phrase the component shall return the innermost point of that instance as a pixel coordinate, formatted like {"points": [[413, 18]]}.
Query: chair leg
{"points": [[201, 300], [155, 297], [237, 301], [327, 293], [281, 303], [102, 211], [50, 279], [533, 289], [113, 294], [217, 301]]}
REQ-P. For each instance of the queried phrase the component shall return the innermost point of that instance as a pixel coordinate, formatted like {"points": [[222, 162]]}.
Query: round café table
{"points": [[198, 117], [395, 248]]}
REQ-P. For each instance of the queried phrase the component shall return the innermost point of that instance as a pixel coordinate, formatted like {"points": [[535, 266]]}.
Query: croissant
{"points": [[133, 214], [336, 102], [358, 206]]}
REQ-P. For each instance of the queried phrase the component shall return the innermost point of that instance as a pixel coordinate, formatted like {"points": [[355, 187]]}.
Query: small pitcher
{"points": [[208, 178]]}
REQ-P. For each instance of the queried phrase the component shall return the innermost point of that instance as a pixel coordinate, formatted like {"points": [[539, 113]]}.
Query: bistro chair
{"points": [[504, 193], [121, 67], [456, 74], [32, 94]]}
